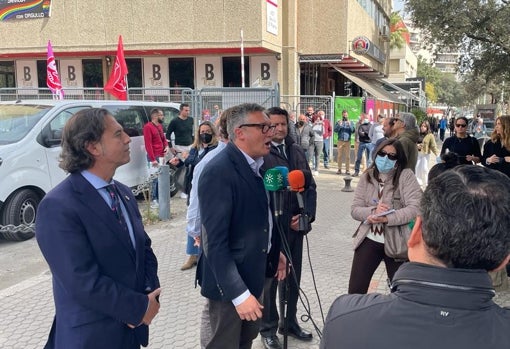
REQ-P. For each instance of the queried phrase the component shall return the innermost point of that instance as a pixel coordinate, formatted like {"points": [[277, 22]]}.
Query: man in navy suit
{"points": [[89, 229], [236, 234]]}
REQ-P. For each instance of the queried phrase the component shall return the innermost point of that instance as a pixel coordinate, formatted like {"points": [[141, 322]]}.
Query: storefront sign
{"points": [[361, 45]]}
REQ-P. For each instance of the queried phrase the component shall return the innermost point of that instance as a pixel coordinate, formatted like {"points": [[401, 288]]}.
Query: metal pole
{"points": [[164, 192], [242, 58]]}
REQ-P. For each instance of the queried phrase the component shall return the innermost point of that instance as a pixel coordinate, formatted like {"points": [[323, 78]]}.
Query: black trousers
{"points": [[367, 258], [270, 317]]}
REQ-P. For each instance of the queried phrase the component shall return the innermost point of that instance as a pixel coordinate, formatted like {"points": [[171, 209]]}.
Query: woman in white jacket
{"points": [[374, 195]]}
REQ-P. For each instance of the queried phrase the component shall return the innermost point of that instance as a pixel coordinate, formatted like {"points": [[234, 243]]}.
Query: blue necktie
{"points": [[117, 210]]}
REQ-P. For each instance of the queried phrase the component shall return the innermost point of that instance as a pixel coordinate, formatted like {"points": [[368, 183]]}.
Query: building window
{"points": [[134, 66], [232, 71], [92, 73], [182, 72], [7, 74]]}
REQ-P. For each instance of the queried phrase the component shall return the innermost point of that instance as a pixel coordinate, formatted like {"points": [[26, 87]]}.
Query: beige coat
{"points": [[363, 204]]}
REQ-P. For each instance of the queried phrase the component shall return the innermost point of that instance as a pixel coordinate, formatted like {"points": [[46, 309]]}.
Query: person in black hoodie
{"points": [[442, 298]]}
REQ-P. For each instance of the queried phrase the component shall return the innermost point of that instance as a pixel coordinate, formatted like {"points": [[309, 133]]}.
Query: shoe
{"points": [[326, 167], [154, 204], [315, 173], [355, 174], [297, 332], [339, 172], [271, 342], [183, 196], [347, 173], [190, 263]]}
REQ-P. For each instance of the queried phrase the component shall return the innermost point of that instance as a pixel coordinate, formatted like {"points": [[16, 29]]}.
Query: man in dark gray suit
{"points": [[236, 234]]}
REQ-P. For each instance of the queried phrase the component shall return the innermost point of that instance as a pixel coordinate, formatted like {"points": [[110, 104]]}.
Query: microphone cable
{"points": [[301, 293]]}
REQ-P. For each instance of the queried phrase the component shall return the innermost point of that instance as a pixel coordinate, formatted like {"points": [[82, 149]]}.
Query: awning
{"points": [[372, 87]]}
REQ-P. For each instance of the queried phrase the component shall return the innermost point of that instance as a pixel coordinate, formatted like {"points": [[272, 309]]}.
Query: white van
{"points": [[30, 136]]}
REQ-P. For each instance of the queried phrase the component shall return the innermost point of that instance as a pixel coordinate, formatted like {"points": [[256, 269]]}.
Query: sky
{"points": [[398, 5]]}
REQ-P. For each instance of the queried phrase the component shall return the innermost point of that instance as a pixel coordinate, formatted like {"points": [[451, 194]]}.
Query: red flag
{"points": [[52, 79], [116, 84]]}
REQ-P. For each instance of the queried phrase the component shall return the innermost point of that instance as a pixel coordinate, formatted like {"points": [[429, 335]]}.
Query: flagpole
{"points": [[127, 88], [242, 58]]}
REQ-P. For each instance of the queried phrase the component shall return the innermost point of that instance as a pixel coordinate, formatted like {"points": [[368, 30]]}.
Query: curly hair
{"points": [[85, 127]]}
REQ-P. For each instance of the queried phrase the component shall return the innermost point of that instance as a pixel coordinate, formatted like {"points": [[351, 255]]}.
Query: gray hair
{"points": [[409, 120], [238, 116]]}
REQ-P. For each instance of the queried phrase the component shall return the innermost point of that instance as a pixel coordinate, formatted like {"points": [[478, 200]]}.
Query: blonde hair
{"points": [[504, 137], [197, 143]]}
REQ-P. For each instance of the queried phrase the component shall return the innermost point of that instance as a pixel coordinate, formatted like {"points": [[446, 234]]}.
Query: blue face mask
{"points": [[384, 165]]}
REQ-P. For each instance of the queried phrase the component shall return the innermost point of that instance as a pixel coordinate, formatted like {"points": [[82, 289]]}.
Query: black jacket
{"points": [[295, 161], [430, 307]]}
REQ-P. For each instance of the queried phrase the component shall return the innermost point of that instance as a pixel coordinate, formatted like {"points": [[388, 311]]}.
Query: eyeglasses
{"points": [[263, 127], [461, 125], [389, 155]]}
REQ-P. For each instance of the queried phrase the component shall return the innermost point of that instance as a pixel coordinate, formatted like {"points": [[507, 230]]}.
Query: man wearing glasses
{"points": [[462, 144], [404, 129], [236, 232]]}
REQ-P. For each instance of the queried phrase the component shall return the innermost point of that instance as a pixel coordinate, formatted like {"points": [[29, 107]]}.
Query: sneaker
{"points": [[347, 173], [339, 172], [326, 167], [315, 173], [154, 204], [356, 174], [183, 196]]}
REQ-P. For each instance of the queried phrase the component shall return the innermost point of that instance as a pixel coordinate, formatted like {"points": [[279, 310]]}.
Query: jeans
{"points": [[317, 149], [363, 147], [325, 151]]}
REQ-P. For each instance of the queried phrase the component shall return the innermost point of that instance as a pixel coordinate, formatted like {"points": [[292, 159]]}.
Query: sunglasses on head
{"points": [[389, 155]]}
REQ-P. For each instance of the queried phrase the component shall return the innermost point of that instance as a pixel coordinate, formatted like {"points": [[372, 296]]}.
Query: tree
{"points": [[480, 29], [398, 29], [430, 92]]}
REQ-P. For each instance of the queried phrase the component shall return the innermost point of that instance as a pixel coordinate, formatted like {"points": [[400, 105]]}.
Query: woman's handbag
{"points": [[396, 236]]}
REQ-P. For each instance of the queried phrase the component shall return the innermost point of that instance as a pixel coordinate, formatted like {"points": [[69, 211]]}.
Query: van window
{"points": [[131, 118], [168, 112], [17, 120], [57, 124]]}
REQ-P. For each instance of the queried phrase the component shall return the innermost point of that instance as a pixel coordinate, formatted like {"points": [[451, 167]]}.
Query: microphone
{"points": [[285, 173], [297, 182], [273, 182]]}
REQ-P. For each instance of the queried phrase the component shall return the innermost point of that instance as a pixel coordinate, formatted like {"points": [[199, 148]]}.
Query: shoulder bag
{"points": [[396, 236]]}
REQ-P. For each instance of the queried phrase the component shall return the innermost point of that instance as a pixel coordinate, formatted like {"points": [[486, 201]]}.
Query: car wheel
{"points": [[20, 209]]}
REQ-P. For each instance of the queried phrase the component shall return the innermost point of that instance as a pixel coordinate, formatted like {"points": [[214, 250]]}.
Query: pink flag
{"points": [[52, 79], [116, 84]]}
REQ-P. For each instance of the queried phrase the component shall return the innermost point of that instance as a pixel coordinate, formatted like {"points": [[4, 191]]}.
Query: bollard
{"points": [[164, 192], [347, 186]]}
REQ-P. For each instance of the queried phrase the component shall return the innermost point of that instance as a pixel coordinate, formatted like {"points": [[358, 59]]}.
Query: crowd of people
{"points": [[425, 226]]}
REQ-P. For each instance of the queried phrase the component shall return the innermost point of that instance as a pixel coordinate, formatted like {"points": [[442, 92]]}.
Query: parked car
{"points": [[30, 137]]}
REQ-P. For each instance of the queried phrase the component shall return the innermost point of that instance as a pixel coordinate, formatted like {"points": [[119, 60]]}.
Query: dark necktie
{"points": [[281, 149], [117, 210]]}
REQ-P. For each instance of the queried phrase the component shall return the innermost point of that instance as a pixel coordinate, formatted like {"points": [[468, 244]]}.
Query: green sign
{"points": [[353, 106]]}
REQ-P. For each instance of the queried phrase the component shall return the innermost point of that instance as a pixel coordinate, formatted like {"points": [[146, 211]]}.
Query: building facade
{"points": [[306, 46]]}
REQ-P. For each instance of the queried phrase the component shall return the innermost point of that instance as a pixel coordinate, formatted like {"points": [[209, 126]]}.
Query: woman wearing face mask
{"points": [[374, 195], [205, 140]]}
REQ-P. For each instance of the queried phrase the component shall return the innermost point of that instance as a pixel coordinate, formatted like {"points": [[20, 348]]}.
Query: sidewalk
{"points": [[26, 309]]}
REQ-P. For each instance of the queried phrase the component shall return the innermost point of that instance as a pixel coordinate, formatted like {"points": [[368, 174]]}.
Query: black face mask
{"points": [[344, 118], [160, 121], [301, 123], [205, 138]]}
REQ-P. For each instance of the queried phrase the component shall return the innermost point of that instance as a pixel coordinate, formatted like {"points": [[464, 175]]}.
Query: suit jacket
{"points": [[295, 160], [99, 280], [235, 220]]}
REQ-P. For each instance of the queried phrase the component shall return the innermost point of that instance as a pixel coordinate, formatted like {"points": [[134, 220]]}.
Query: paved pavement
{"points": [[26, 308]]}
